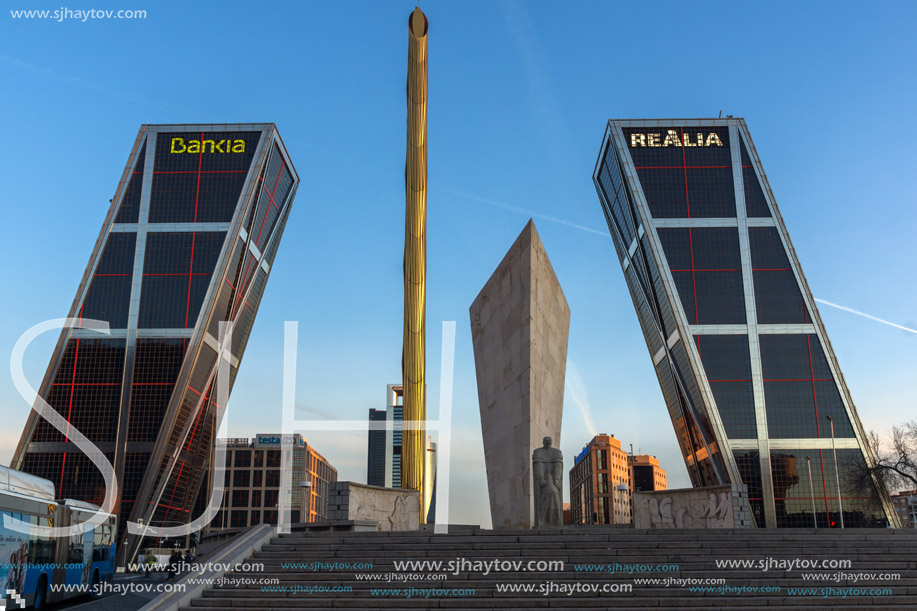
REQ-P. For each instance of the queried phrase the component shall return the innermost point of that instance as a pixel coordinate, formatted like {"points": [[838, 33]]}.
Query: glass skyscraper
{"points": [[188, 241], [383, 457], [746, 369]]}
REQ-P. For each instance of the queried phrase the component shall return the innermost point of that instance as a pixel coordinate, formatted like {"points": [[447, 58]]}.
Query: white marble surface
{"points": [[710, 507], [392, 508]]}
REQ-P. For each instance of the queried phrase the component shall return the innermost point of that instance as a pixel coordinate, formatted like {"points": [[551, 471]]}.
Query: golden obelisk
{"points": [[413, 358]]}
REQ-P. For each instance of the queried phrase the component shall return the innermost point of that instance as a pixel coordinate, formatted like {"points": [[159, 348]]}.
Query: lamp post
{"points": [[306, 500], [811, 491], [623, 489], [837, 476]]}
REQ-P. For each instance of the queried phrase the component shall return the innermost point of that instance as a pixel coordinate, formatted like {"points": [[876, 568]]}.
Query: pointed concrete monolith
{"points": [[519, 327]]}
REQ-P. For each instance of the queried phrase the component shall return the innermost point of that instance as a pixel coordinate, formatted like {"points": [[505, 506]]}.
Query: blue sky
{"points": [[519, 96]]}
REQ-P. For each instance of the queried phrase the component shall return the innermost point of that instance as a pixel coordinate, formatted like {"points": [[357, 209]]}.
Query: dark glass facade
{"points": [[375, 451], [743, 360], [188, 242]]}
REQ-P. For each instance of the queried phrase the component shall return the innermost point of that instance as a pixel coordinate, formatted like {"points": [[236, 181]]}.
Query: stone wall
{"points": [[390, 508], [710, 507]]}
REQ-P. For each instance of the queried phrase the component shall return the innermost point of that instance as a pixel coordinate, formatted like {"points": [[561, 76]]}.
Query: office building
{"points": [[252, 482], [906, 507], [375, 451], [383, 459], [601, 484], [646, 473], [188, 241], [741, 353]]}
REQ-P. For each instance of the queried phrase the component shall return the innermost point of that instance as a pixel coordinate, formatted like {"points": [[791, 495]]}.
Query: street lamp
{"points": [[623, 489], [837, 477], [306, 490]]}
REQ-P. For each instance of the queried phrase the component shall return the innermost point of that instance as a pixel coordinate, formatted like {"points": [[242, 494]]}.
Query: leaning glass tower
{"points": [[748, 374], [188, 242]]}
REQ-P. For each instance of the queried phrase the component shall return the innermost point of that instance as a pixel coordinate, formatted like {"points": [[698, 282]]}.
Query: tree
{"points": [[896, 466]]}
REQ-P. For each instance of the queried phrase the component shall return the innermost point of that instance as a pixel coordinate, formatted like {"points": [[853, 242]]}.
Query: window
{"points": [[273, 458], [272, 479], [41, 548], [240, 498], [238, 519], [602, 483], [270, 498], [240, 479]]}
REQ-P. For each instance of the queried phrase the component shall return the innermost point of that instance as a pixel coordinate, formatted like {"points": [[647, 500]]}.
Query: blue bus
{"points": [[37, 567]]}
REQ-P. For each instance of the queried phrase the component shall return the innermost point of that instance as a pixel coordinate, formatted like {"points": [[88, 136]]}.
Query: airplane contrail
{"points": [[580, 397], [604, 233], [865, 315], [531, 213]]}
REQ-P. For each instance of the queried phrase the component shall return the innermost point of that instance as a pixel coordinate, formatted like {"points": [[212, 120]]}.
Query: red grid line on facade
{"points": [[168, 506], [283, 164], [693, 275], [87, 383], [812, 379], [736, 269], [201, 171], [197, 197], [679, 167], [76, 354], [165, 518], [156, 274], [705, 270], [821, 457], [261, 229]]}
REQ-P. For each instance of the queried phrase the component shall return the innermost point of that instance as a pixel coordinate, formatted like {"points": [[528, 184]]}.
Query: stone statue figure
{"points": [[547, 470]]}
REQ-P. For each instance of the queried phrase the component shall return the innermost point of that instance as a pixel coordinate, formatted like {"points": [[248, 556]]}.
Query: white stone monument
{"points": [[519, 327]]}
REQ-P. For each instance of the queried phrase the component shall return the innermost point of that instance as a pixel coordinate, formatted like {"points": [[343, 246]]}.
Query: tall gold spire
{"points": [[413, 359]]}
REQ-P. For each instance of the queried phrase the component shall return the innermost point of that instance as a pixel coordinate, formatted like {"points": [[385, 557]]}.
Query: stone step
{"points": [[694, 552], [648, 556], [584, 545], [669, 602], [600, 604], [246, 591], [547, 539]]}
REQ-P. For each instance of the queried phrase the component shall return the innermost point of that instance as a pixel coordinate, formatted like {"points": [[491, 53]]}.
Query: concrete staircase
{"points": [[695, 553]]}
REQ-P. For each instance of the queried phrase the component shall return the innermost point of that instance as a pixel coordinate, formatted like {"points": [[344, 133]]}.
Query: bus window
{"points": [[101, 549], [41, 547], [75, 555]]}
